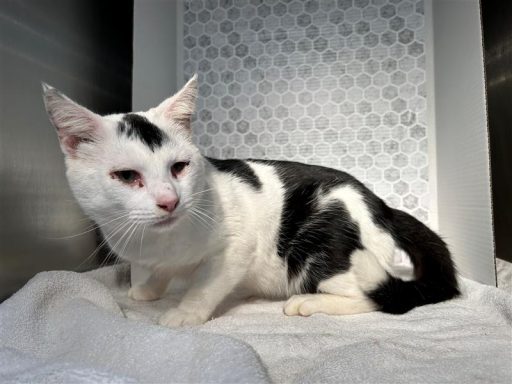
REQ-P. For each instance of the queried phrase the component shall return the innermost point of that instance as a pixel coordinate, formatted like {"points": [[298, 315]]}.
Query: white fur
{"points": [[306, 305], [226, 233]]}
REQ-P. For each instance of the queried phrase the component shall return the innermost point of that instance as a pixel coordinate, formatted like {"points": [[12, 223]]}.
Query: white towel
{"points": [[69, 327]]}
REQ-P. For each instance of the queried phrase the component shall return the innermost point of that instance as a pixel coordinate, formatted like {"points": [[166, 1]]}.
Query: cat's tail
{"points": [[435, 276]]}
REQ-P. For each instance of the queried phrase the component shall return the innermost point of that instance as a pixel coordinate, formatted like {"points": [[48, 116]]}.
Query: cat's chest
{"points": [[165, 248], [152, 249]]}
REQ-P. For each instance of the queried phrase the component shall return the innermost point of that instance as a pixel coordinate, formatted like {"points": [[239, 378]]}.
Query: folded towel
{"points": [[68, 327], [65, 325]]}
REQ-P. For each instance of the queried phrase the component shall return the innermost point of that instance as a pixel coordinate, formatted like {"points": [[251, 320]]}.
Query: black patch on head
{"points": [[239, 169], [139, 127]]}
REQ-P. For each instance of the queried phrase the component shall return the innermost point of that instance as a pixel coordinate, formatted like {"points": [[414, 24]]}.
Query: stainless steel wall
{"points": [[83, 48], [497, 30]]}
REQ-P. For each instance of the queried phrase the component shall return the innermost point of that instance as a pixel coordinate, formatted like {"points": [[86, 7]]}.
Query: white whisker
{"points": [[141, 240], [105, 240], [201, 220], [204, 191], [113, 248], [204, 214], [95, 226], [130, 237]]}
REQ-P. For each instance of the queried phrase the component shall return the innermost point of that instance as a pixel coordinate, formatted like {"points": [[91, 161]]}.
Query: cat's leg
{"points": [[339, 295], [342, 294], [306, 305], [292, 305], [212, 282], [153, 288]]}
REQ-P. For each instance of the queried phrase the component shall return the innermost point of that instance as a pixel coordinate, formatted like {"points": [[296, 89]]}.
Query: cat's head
{"points": [[141, 167]]}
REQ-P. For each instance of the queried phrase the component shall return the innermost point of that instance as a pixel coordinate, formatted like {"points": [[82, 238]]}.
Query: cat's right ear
{"points": [[180, 107], [74, 124]]}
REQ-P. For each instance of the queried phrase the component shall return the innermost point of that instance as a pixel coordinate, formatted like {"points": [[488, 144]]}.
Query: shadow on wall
{"points": [[85, 49]]}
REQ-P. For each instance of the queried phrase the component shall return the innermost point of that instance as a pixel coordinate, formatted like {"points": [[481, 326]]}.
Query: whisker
{"points": [[114, 214], [207, 223], [205, 204], [130, 237], [95, 226], [204, 214], [105, 240], [201, 220], [195, 220], [202, 198], [204, 191], [112, 250], [141, 240]]}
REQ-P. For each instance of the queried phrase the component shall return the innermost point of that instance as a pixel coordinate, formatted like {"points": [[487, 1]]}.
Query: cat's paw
{"points": [[176, 317], [143, 292], [297, 306]]}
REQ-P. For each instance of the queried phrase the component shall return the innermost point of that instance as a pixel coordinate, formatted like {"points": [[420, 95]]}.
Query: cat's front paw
{"points": [[143, 292], [176, 317], [297, 305]]}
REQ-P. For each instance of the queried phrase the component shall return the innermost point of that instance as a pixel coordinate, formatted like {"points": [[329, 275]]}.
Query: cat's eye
{"points": [[127, 176], [178, 167]]}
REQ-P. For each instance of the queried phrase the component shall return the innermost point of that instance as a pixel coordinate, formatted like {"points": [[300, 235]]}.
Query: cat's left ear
{"points": [[180, 107], [75, 124]]}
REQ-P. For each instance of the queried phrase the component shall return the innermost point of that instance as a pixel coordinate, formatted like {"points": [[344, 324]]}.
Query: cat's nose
{"points": [[168, 204]]}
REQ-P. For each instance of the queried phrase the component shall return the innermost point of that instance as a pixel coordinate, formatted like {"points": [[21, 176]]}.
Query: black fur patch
{"points": [[435, 279], [139, 127], [321, 239], [239, 169], [323, 245]]}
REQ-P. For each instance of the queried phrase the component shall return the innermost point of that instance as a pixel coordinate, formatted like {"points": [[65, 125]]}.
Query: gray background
{"points": [[157, 36]]}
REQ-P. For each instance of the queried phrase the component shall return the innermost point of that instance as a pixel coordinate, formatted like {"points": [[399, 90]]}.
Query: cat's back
{"points": [[278, 180], [250, 193], [298, 175], [291, 173], [272, 196], [274, 205]]}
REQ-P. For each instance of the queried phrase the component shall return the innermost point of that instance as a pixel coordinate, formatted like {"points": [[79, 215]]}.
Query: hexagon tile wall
{"points": [[336, 83]]}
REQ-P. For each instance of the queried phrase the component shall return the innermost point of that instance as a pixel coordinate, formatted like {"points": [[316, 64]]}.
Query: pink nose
{"points": [[167, 204]]}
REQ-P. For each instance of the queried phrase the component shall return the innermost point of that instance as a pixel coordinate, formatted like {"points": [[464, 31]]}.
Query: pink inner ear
{"points": [[178, 112], [71, 143]]}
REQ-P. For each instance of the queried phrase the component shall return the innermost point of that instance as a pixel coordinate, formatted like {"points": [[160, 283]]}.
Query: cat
{"points": [[275, 229]]}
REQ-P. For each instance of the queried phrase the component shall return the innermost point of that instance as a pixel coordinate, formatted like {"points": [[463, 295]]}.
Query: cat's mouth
{"points": [[165, 222]]}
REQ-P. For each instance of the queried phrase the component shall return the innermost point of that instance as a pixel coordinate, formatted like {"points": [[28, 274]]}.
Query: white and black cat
{"points": [[275, 229]]}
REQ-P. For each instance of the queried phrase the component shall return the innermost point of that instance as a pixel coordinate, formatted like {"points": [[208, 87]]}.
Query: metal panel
{"points": [[464, 196], [497, 26], [63, 43]]}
